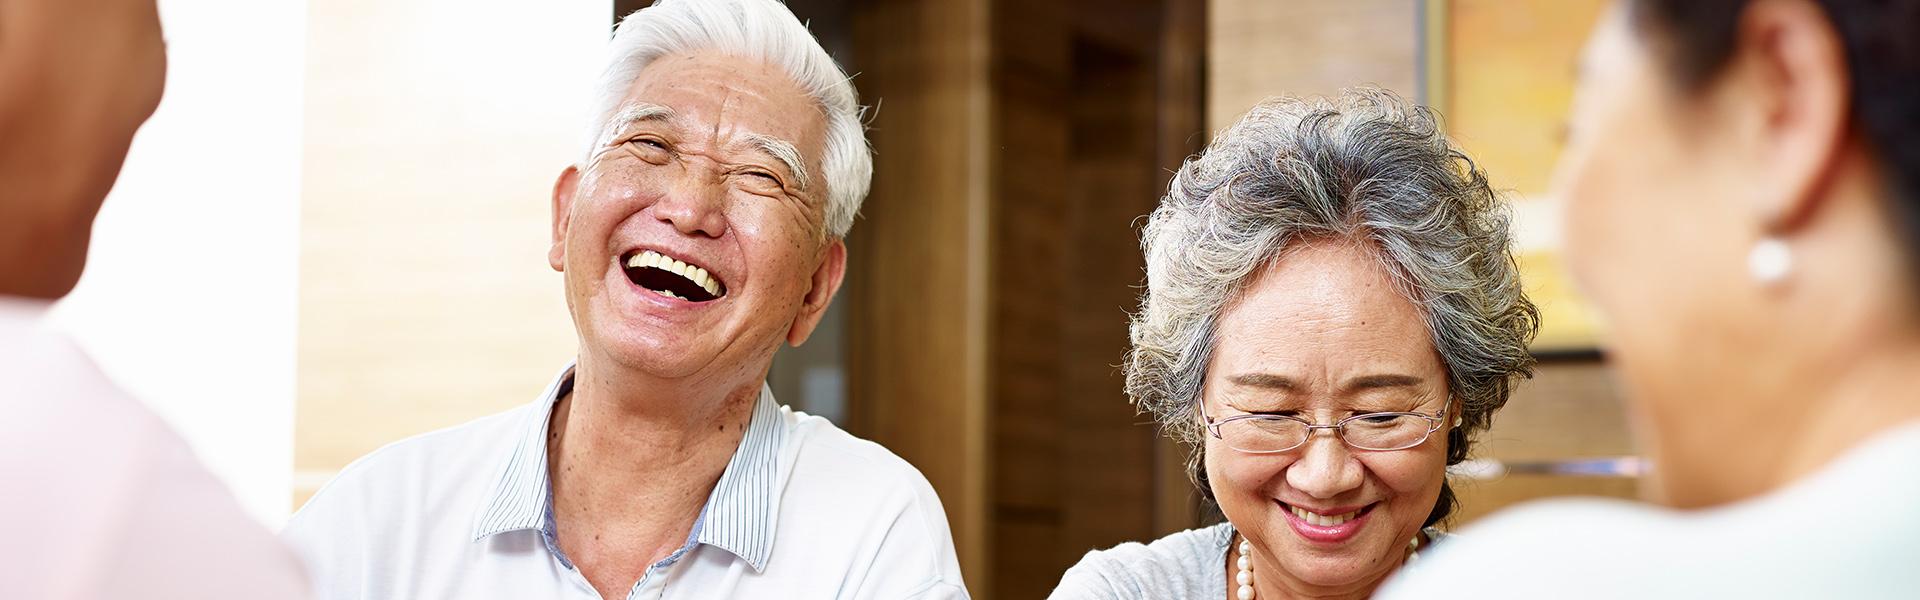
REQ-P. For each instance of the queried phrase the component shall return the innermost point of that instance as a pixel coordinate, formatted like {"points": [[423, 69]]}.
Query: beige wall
{"points": [[1261, 48], [434, 130]]}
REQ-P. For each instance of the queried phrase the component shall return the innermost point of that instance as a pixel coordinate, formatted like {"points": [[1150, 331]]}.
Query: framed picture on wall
{"points": [[1501, 72]]}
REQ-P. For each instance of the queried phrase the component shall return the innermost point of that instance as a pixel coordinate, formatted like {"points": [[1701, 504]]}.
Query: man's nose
{"points": [[696, 204], [1326, 467]]}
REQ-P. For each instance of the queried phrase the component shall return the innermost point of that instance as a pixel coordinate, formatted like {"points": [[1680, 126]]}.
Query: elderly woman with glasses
{"points": [[1331, 311]]}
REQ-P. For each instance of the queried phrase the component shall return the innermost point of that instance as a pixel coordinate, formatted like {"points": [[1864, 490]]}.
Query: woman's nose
{"points": [[1326, 467]]}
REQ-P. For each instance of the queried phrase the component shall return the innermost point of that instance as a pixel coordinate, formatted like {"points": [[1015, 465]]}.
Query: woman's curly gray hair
{"points": [[1366, 166]]}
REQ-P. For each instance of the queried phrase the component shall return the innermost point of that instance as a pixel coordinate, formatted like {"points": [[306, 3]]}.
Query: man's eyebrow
{"points": [[783, 151], [634, 113]]}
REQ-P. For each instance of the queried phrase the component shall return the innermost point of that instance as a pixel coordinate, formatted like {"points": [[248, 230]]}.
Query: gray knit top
{"points": [[1189, 565]]}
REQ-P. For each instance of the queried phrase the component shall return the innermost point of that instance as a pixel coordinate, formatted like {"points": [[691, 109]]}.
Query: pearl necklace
{"points": [[1244, 565]]}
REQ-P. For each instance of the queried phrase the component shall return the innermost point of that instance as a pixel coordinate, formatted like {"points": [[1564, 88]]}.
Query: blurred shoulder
{"points": [[110, 492], [1535, 549], [1818, 537], [1187, 564]]}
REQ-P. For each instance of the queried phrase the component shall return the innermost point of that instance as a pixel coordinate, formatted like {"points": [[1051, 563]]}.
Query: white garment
{"points": [[803, 510], [1851, 530], [102, 499]]}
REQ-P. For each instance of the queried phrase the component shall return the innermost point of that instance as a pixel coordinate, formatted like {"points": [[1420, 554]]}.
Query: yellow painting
{"points": [[1502, 74]]}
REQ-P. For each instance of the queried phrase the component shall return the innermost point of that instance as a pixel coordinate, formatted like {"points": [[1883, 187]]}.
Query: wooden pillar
{"points": [[1017, 145], [919, 283]]}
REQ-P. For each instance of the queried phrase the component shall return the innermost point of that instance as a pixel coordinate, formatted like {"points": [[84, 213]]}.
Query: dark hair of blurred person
{"points": [[1741, 185], [102, 499]]}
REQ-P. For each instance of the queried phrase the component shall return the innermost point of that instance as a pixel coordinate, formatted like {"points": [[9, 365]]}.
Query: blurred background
{"points": [[332, 235]]}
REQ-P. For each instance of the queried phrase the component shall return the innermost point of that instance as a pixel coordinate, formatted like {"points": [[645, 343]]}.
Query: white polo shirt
{"points": [[803, 510]]}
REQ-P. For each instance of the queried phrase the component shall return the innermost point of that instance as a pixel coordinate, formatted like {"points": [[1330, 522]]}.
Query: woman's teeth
{"points": [[1314, 518]]}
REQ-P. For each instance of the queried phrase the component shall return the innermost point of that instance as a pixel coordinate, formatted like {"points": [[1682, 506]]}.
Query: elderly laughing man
{"points": [[702, 229]]}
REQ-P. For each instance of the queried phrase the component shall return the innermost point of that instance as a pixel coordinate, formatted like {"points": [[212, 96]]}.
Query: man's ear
{"points": [[562, 216], [1791, 64], [826, 282]]}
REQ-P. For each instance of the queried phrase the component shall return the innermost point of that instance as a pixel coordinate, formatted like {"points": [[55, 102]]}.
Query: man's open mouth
{"points": [[671, 278]]}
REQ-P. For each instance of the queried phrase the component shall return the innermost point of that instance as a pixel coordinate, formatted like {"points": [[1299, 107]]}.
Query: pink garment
{"points": [[100, 499]]}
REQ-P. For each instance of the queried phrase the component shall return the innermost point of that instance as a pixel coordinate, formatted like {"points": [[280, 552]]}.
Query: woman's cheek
{"points": [[1413, 477], [1248, 475]]}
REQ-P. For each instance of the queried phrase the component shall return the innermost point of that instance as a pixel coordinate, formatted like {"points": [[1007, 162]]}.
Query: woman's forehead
{"points": [[1321, 303]]}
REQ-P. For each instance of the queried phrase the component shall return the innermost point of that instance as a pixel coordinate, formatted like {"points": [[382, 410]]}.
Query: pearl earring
{"points": [[1770, 261]]}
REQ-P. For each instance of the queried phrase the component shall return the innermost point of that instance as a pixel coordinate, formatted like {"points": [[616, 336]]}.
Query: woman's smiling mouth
{"points": [[1323, 527]]}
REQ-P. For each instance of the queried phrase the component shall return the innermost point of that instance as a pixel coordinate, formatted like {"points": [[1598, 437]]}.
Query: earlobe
{"points": [[563, 189], [825, 283]]}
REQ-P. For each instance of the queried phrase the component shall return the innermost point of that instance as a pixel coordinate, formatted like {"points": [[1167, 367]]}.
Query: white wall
{"points": [[189, 296]]}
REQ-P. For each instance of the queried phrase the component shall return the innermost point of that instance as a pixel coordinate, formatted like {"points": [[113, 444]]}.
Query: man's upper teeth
{"points": [[693, 273]]}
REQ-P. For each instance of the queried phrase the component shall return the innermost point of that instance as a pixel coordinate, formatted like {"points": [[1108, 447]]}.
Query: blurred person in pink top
{"points": [[102, 500]]}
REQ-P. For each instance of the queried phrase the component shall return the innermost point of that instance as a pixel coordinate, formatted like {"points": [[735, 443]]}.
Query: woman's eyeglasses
{"points": [[1381, 431]]}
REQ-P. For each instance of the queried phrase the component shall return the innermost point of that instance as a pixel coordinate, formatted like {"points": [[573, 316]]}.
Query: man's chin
{"points": [[656, 361], [651, 354]]}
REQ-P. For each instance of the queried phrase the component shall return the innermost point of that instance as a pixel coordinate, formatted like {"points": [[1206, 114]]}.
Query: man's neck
{"points": [[632, 463]]}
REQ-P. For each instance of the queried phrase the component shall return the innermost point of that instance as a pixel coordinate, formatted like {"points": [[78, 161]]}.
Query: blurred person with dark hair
{"points": [[102, 499], [1332, 310], [1743, 204]]}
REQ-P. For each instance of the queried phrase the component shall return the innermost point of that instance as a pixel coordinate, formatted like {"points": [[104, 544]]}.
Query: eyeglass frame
{"points": [[1437, 421]]}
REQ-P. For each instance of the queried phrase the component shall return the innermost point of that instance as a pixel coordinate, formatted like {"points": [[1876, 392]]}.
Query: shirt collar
{"points": [[739, 516]]}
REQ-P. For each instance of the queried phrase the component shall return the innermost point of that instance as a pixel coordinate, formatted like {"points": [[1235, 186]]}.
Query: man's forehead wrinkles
{"points": [[745, 138], [726, 109]]}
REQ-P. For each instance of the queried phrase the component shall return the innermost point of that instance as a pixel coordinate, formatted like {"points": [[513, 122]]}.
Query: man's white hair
{"points": [[756, 29]]}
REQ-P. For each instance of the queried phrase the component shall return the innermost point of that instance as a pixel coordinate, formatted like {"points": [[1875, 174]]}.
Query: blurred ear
{"points": [[1790, 67], [562, 216], [826, 282]]}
